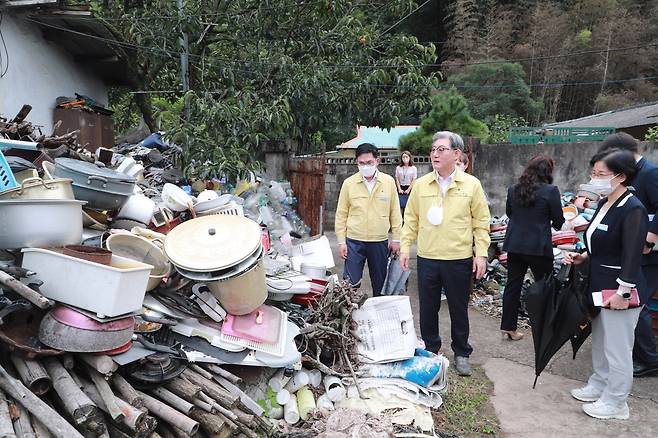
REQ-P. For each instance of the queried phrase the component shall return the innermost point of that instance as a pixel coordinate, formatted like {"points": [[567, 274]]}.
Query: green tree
{"points": [[479, 84], [264, 70], [449, 113], [499, 127]]}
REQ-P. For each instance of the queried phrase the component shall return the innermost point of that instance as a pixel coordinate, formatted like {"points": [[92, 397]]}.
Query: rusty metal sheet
{"points": [[306, 177]]}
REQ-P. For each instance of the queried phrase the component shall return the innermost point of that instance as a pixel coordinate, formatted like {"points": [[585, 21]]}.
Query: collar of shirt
{"points": [[370, 185], [444, 183]]}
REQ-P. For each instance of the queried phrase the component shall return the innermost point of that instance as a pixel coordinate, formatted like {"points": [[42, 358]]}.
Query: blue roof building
{"points": [[382, 138]]}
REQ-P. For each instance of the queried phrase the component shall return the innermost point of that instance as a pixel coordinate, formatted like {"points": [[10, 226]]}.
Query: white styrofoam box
{"points": [[111, 290]]}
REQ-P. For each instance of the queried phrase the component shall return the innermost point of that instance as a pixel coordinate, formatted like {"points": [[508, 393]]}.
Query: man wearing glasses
{"points": [[368, 207], [446, 215]]}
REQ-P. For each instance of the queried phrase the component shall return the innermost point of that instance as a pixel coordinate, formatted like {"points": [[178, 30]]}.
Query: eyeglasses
{"points": [[601, 175], [440, 150]]}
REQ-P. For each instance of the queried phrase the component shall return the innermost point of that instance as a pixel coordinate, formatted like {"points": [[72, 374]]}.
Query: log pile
{"points": [[72, 396], [20, 129]]}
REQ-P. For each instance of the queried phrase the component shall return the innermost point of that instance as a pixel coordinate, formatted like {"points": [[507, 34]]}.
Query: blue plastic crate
{"points": [[7, 180]]}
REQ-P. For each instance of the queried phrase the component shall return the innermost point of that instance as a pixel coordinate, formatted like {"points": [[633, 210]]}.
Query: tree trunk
{"points": [[143, 102]]}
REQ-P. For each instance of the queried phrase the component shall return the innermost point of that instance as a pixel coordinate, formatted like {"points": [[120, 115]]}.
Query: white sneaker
{"points": [[586, 394], [604, 411]]}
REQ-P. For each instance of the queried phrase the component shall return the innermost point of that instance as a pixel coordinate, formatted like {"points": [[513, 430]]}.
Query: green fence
{"points": [[528, 135]]}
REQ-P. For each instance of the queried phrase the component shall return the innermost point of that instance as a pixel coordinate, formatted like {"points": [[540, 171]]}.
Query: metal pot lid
{"points": [[86, 168], [212, 243], [224, 274]]}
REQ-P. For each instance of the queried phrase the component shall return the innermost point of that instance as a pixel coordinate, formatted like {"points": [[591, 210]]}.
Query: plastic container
{"points": [[108, 291], [7, 180]]}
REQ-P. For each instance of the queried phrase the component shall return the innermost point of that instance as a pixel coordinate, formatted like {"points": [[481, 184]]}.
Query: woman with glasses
{"points": [[614, 240], [533, 206]]}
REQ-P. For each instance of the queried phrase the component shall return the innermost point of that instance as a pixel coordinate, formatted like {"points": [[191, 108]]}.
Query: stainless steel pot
{"points": [[40, 223], [102, 188], [243, 293], [36, 188]]}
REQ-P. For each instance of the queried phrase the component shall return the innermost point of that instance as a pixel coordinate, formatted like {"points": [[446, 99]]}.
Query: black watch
{"points": [[650, 245], [624, 295]]}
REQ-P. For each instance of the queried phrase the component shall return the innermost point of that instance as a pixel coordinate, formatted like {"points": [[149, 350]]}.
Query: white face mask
{"points": [[435, 215], [367, 171], [603, 186]]}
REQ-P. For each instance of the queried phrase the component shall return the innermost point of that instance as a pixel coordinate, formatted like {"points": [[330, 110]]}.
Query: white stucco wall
{"points": [[39, 72]]}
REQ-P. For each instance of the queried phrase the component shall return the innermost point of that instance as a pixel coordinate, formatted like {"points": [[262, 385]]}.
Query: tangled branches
{"points": [[330, 345]]}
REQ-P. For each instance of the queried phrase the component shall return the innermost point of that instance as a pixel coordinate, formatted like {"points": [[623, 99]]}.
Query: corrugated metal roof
{"points": [[382, 138], [640, 115]]}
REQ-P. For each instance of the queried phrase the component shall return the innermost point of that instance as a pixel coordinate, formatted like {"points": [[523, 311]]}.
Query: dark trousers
{"points": [[454, 277], [644, 350], [376, 254], [517, 266]]}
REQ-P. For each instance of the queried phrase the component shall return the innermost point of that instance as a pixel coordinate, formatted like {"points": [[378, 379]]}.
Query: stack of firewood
{"points": [[20, 129], [82, 395]]}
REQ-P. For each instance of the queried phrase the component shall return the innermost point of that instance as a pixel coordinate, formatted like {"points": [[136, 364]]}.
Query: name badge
{"points": [[602, 227]]}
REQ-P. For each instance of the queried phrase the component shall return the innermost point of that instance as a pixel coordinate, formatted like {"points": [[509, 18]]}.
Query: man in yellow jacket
{"points": [[447, 215], [368, 208]]}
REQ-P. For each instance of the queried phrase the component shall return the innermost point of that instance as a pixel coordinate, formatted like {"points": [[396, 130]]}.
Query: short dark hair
{"points": [[619, 161], [366, 148], [620, 140]]}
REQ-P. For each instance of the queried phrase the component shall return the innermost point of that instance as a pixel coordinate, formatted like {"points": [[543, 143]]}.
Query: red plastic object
{"points": [[166, 228], [127, 346]]}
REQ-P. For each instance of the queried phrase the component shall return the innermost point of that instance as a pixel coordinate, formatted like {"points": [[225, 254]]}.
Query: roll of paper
{"points": [[299, 379], [291, 411], [305, 402]]}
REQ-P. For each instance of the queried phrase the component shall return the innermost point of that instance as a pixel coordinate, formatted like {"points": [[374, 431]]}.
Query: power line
{"points": [[405, 17], [443, 85], [342, 66]]}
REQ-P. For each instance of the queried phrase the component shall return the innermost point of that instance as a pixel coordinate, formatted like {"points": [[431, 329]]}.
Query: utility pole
{"points": [[184, 57]]}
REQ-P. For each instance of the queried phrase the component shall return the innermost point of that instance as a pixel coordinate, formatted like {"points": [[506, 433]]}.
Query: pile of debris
{"points": [[136, 300]]}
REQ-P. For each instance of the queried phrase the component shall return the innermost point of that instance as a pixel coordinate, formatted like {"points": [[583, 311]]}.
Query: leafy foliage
{"points": [[263, 71], [449, 113], [499, 127], [652, 134], [487, 100]]}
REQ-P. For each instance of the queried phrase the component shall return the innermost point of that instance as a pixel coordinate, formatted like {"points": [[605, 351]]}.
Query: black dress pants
{"points": [[517, 266]]}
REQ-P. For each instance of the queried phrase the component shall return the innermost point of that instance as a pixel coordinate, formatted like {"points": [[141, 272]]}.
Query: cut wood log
{"points": [[37, 407], [247, 401], [211, 388], [173, 400], [106, 394], [204, 406], [101, 363], [22, 114], [22, 424], [169, 415], [126, 390], [33, 374], [216, 369], [32, 296], [6, 425], [132, 417], [76, 402], [210, 424], [40, 429], [183, 388]]}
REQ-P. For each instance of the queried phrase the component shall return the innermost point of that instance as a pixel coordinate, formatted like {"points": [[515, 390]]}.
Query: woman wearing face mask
{"points": [[614, 241], [533, 205], [405, 176]]}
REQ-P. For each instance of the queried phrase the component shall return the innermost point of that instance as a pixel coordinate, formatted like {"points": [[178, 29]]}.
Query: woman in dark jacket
{"points": [[533, 205], [615, 240]]}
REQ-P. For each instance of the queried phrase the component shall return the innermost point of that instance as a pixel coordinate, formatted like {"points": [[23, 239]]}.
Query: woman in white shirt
{"points": [[405, 176]]}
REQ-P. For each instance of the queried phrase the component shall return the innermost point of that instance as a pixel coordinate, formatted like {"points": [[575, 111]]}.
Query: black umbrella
{"points": [[557, 315]]}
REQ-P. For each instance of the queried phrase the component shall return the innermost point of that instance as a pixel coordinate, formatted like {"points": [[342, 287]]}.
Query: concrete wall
{"points": [[499, 165], [339, 172], [39, 72]]}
